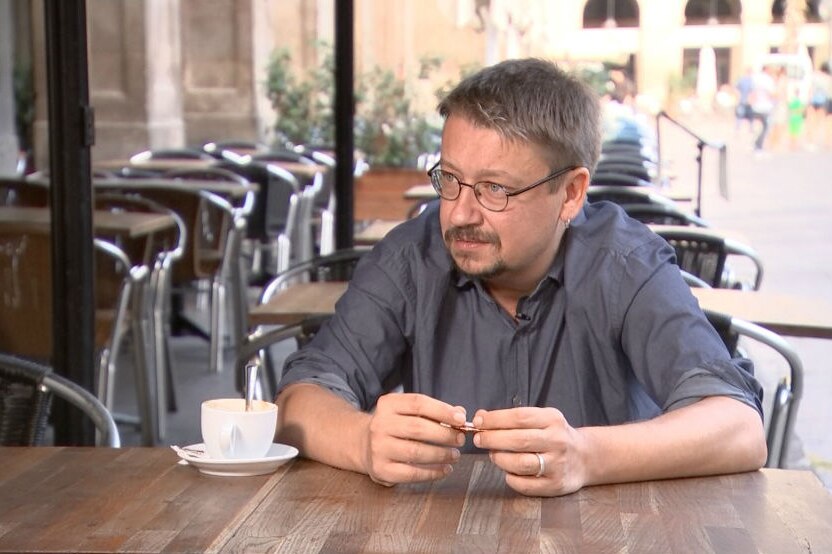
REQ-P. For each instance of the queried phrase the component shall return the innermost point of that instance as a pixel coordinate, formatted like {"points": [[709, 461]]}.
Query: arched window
{"points": [[812, 12], [610, 13], [712, 12]]}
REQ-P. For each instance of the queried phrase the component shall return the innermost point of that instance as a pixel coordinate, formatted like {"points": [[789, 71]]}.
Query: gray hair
{"points": [[532, 100]]}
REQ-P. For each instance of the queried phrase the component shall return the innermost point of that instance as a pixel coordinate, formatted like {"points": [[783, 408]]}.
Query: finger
{"points": [[410, 473], [419, 453], [421, 405], [418, 429], [525, 464], [517, 418], [514, 440]]}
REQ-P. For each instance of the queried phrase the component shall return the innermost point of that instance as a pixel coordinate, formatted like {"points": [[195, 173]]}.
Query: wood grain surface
{"points": [[140, 499]]}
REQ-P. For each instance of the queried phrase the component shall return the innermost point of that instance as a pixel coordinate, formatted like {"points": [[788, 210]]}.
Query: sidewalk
{"points": [[782, 203]]}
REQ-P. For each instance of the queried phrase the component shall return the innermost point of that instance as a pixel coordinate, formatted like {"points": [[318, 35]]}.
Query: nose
{"points": [[465, 210]]}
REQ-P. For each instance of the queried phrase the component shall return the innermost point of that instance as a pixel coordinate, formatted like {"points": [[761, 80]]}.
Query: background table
{"points": [[787, 314], [96, 499]]}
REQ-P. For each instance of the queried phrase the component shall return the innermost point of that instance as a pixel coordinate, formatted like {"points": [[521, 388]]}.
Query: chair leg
{"points": [[143, 375], [217, 325]]}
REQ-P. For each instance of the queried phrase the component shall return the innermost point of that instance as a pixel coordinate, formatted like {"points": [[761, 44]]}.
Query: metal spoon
{"points": [[251, 381]]}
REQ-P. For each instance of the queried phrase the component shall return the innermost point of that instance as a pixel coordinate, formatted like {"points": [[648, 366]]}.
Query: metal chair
{"points": [[662, 214], [159, 255], [221, 149], [627, 195], [783, 411], [255, 349], [274, 229], [170, 154], [216, 223], [120, 296], [26, 392], [633, 169], [704, 253], [337, 266], [618, 179]]}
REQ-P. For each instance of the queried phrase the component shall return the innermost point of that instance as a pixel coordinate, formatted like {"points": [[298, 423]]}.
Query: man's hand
{"points": [[405, 441], [516, 436]]}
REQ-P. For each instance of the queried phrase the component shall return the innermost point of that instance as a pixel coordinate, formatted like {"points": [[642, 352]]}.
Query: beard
{"points": [[462, 260]]}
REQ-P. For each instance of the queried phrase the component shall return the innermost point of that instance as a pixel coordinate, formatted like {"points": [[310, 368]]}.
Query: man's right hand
{"points": [[405, 441]]}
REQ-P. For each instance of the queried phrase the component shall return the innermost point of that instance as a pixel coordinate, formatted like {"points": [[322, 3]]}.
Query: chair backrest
{"points": [[274, 222], [618, 179], [737, 334], [634, 169], [26, 391], [255, 346], [337, 266], [170, 154], [627, 195], [214, 223], [704, 253], [661, 214], [220, 149]]}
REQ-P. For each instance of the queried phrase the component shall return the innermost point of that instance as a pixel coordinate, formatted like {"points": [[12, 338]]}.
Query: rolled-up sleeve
{"points": [[693, 361], [356, 351]]}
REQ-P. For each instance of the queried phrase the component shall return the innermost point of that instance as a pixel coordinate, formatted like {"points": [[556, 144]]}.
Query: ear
{"points": [[575, 191]]}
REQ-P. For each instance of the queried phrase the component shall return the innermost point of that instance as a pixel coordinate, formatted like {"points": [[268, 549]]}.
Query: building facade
{"points": [[170, 73]]}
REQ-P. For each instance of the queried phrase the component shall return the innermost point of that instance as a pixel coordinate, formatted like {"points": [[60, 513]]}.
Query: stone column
{"points": [[134, 77], [219, 86]]}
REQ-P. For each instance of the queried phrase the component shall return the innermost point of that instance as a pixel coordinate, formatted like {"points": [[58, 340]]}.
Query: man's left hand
{"points": [[540, 452]]}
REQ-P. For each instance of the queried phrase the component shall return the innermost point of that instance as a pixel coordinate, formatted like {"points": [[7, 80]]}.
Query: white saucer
{"points": [[277, 455]]}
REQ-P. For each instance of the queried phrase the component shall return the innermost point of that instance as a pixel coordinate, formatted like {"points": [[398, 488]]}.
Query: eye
{"points": [[447, 177], [493, 189]]}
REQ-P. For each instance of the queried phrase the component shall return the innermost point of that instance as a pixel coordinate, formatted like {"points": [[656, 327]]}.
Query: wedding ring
{"points": [[542, 463]]}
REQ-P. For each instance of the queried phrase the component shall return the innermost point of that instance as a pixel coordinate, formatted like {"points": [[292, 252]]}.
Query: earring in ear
{"points": [[566, 223]]}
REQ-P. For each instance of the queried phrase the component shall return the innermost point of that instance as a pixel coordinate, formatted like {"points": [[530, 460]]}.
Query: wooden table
{"points": [[140, 499], [786, 314], [298, 302], [128, 224], [375, 231]]}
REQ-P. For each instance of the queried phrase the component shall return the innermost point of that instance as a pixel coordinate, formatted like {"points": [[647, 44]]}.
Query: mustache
{"points": [[470, 234]]}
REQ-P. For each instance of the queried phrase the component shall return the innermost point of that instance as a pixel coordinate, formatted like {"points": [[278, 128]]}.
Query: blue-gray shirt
{"points": [[611, 334]]}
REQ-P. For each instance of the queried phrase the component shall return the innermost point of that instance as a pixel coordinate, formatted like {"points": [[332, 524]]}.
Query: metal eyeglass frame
{"points": [[436, 170]]}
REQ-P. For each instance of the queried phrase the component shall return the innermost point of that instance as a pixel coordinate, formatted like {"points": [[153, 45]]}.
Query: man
{"points": [[564, 329]]}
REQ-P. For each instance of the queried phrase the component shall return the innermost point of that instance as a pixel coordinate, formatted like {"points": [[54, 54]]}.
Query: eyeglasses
{"points": [[491, 196]]}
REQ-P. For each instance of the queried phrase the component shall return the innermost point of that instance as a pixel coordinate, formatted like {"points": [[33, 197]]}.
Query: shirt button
{"points": [[516, 402]]}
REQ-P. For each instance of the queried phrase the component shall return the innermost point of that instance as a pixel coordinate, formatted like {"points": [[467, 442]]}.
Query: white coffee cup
{"points": [[230, 432]]}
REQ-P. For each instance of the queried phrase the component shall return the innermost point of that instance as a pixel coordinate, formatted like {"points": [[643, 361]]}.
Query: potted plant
{"points": [[389, 133]]}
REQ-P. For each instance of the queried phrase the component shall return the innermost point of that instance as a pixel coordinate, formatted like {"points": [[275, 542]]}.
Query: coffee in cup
{"points": [[230, 432]]}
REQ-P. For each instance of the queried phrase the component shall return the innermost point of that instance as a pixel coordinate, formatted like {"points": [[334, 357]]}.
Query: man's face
{"points": [[514, 247]]}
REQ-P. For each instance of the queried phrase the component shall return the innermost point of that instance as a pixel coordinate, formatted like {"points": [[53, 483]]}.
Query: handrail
{"points": [[701, 143]]}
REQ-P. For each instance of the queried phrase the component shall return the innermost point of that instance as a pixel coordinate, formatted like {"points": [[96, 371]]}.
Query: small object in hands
{"points": [[251, 380], [468, 427]]}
